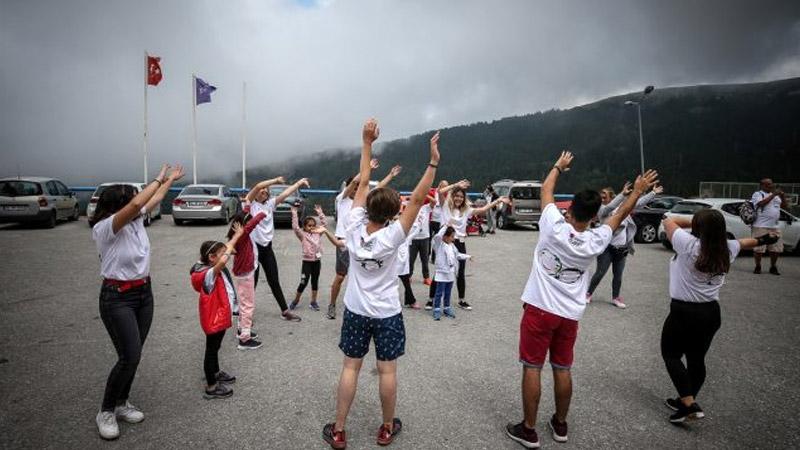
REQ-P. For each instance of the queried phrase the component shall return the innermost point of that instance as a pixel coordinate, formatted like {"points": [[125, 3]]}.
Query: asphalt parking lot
{"points": [[458, 382]]}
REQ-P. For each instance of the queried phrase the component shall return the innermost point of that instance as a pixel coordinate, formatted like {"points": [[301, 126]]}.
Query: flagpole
{"points": [[194, 129], [144, 136], [244, 135]]}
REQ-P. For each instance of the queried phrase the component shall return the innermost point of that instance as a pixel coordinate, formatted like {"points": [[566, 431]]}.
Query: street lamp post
{"points": [[638, 105]]}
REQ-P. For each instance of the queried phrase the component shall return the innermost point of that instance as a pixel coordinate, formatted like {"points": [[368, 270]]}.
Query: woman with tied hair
{"points": [[126, 297], [696, 273]]}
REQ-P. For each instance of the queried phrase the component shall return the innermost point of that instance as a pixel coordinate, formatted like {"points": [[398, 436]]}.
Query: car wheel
{"points": [[178, 222], [50, 222], [75, 214], [502, 222], [227, 218], [648, 233]]}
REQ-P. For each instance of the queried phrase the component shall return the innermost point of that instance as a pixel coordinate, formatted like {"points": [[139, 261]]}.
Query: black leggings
{"points": [[409, 294], [127, 317], [309, 271], [266, 259], [211, 361], [422, 248], [461, 283], [688, 331], [434, 227]]}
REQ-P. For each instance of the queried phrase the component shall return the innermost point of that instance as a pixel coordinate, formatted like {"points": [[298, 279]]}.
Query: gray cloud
{"points": [[71, 77]]}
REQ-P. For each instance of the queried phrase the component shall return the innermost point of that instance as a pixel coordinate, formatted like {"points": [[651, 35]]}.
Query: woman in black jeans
{"points": [[126, 298], [696, 274]]}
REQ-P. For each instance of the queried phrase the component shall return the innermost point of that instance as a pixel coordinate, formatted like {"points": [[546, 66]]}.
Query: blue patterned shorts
{"points": [[389, 335]]}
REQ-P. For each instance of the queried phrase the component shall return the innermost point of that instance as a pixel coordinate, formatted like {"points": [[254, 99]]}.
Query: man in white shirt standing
{"points": [[555, 295], [767, 203]]}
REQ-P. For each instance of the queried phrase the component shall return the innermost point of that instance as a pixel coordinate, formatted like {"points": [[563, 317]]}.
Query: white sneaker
{"points": [[618, 303], [129, 413], [107, 425], [588, 298]]}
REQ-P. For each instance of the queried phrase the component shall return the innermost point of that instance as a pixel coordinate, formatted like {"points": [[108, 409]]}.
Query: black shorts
{"points": [[389, 335], [342, 261]]}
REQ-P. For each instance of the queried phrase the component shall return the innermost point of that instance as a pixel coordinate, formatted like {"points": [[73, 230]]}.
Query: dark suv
{"points": [[648, 217]]}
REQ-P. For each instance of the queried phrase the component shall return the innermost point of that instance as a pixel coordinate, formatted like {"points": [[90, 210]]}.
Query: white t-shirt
{"points": [[403, 256], [372, 289], [126, 255], [262, 234], [436, 216], [423, 223], [558, 278], [343, 205], [766, 217], [685, 281], [456, 219]]}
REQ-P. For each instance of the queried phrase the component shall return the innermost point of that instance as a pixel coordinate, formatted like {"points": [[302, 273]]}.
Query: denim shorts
{"points": [[342, 261], [389, 335]]}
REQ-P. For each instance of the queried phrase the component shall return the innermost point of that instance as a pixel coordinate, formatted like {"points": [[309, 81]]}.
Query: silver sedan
{"points": [[205, 202]]}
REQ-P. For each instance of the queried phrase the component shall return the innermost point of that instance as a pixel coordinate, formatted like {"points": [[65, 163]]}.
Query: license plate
{"points": [[196, 204], [525, 211], [14, 207]]}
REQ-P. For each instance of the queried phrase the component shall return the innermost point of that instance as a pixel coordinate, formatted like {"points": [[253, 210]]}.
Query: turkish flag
{"points": [[153, 70]]}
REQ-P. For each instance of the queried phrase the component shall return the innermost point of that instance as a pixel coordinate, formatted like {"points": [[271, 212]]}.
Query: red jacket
{"points": [[245, 262], [214, 307]]}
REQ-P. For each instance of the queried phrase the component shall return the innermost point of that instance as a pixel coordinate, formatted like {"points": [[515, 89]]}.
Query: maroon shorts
{"points": [[540, 331]]}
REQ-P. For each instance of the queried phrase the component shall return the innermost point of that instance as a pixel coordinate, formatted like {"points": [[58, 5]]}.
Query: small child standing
{"points": [[309, 237], [244, 270], [212, 280], [447, 258]]}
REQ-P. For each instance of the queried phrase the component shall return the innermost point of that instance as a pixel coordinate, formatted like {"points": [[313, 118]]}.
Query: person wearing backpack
{"points": [[767, 204]]}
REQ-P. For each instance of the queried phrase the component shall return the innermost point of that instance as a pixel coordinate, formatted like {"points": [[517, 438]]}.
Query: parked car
{"points": [[283, 212], [38, 200], [205, 202], [648, 217], [526, 202], [736, 229], [90, 208]]}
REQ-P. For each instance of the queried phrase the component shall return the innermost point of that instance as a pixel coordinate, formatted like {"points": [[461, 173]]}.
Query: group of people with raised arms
{"points": [[373, 239]]}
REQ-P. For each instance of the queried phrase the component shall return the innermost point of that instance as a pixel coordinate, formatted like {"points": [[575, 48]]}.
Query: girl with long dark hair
{"points": [[126, 298], [696, 274]]}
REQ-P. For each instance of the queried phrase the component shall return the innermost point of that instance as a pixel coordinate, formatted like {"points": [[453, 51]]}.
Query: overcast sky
{"points": [[71, 72]]}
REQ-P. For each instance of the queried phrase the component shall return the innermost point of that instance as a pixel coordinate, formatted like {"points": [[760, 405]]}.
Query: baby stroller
{"points": [[476, 225]]}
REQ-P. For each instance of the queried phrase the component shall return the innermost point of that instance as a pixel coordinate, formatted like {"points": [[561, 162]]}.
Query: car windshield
{"points": [[523, 193], [688, 207], [200, 190], [15, 188]]}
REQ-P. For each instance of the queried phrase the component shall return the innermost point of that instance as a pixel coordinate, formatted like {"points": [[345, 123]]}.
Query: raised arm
{"points": [[251, 195], [140, 201], [549, 185], [369, 134], [330, 236], [463, 184], [483, 209], [751, 243], [390, 176], [423, 186], [323, 221], [238, 231], [672, 224], [291, 190], [296, 225], [174, 176], [642, 184]]}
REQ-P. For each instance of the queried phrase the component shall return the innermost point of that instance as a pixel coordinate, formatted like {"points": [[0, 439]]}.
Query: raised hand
{"points": [[177, 173], [658, 189], [435, 148], [564, 161], [238, 230], [303, 182], [627, 189], [371, 131], [505, 200], [318, 210], [464, 184], [645, 181], [319, 230], [163, 172], [395, 171], [280, 180], [373, 164]]}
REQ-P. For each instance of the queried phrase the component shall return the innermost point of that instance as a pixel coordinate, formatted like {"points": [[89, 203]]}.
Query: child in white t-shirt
{"points": [[555, 295], [372, 300], [447, 258]]}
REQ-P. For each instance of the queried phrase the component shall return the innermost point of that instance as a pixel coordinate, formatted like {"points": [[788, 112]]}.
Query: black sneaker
{"points": [[757, 270], [558, 429], [253, 334], [464, 305], [223, 377], [219, 391], [774, 270], [250, 344], [685, 413], [522, 434], [673, 403], [429, 305]]}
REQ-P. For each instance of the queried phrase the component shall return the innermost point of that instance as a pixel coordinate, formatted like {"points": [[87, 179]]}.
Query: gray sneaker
{"points": [[221, 390], [331, 311], [129, 413], [107, 425]]}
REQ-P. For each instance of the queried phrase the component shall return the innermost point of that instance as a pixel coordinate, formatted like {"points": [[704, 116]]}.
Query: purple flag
{"points": [[204, 90]]}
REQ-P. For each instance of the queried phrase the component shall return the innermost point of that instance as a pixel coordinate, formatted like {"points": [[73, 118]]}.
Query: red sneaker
{"points": [[387, 435], [427, 281], [336, 439]]}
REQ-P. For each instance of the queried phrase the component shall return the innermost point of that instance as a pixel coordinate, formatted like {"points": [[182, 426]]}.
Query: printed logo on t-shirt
{"points": [[553, 266], [367, 245], [370, 263], [575, 240]]}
